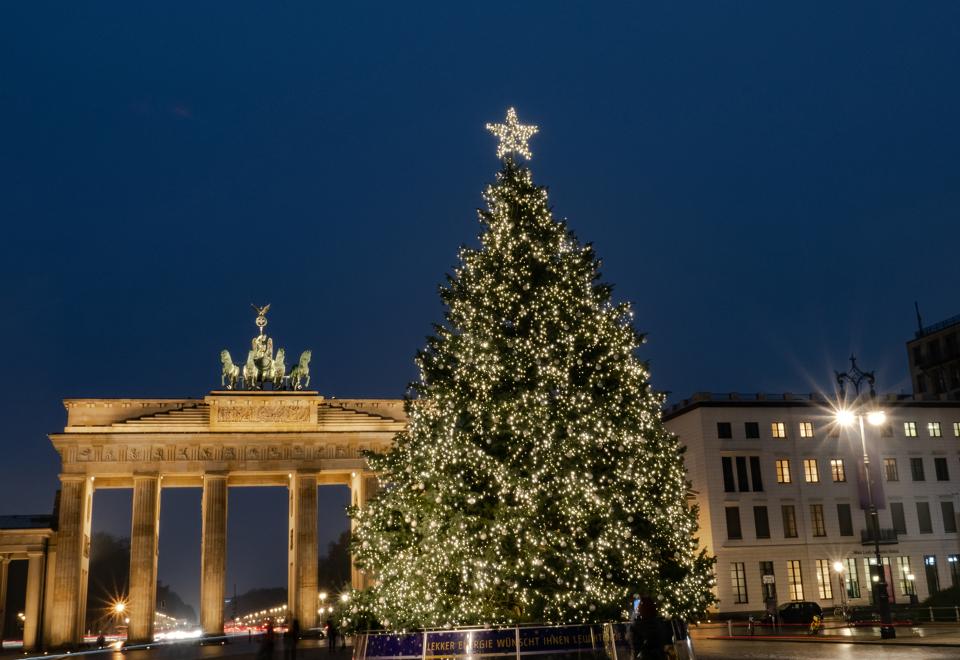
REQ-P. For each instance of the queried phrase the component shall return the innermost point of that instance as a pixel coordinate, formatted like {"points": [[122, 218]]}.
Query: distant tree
{"points": [[110, 581], [333, 571]]}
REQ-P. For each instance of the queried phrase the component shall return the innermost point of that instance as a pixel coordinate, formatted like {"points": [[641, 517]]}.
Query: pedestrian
{"points": [[266, 644], [331, 635], [293, 636]]}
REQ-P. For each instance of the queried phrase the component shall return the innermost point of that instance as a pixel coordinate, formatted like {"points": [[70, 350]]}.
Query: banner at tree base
{"points": [[606, 640]]}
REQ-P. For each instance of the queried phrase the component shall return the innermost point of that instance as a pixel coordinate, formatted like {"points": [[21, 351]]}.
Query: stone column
{"points": [[69, 601], [144, 536], [31, 609], [4, 572], [302, 550], [213, 553]]}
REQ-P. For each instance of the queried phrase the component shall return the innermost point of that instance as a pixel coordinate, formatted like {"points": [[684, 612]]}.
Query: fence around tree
{"points": [[611, 641]]}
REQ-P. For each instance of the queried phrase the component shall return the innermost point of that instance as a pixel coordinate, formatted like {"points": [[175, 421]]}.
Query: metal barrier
{"points": [[607, 641]]}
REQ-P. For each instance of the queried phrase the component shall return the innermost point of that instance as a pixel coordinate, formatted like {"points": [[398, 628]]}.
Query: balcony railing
{"points": [[887, 536]]}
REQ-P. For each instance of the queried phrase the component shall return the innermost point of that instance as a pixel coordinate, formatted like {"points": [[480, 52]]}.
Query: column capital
{"points": [[74, 478], [5, 559]]}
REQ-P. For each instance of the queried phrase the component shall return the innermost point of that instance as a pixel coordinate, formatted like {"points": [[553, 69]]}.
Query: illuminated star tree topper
{"points": [[513, 136]]}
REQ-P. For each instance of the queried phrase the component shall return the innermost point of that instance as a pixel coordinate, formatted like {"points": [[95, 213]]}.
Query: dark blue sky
{"points": [[771, 186]]}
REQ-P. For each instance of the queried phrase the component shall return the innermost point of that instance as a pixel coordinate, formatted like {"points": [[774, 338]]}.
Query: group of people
{"points": [[292, 638]]}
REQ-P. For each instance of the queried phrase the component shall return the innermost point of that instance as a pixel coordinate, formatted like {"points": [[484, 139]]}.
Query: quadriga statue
{"points": [[301, 372], [230, 372]]}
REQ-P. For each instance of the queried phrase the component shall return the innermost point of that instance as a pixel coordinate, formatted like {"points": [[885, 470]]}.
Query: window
{"points": [[733, 523], [761, 521], [789, 521], [738, 581], [940, 467], [923, 518], [932, 574], [906, 576], [810, 473], [899, 520], [933, 428], [836, 470], [794, 580], [949, 517], [916, 469], [778, 430], [769, 587], [846, 519], [729, 485], [751, 430], [806, 429], [956, 429], [910, 429], [755, 474], [816, 520], [886, 431], [890, 469], [743, 481], [724, 430], [953, 561], [852, 580], [824, 583], [783, 471]]}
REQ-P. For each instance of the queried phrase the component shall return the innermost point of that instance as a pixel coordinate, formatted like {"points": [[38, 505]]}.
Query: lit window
{"points": [[778, 430], [810, 472], [906, 576], [806, 429], [836, 469], [783, 471], [910, 429], [956, 429], [933, 428], [738, 580], [890, 468], [824, 582], [816, 519], [794, 580]]}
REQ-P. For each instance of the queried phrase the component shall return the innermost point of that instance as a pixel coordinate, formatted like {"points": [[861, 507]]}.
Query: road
{"points": [[714, 649]]}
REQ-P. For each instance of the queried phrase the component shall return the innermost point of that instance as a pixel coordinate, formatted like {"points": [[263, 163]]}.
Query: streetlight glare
{"points": [[845, 417], [877, 417], [838, 566]]}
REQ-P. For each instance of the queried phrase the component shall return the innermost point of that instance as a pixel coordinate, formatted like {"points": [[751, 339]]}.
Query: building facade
{"points": [[934, 358], [781, 491]]}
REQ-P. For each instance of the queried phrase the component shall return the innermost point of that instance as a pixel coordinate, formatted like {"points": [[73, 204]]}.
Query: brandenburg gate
{"points": [[286, 436]]}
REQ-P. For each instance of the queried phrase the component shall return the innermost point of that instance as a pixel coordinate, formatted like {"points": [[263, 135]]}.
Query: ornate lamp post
{"points": [[838, 569], [876, 417]]}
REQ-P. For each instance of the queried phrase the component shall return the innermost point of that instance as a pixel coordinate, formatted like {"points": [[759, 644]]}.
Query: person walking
{"points": [[331, 635], [293, 637], [266, 644]]}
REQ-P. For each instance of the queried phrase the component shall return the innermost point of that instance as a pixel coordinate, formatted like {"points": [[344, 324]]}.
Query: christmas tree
{"points": [[535, 481]]}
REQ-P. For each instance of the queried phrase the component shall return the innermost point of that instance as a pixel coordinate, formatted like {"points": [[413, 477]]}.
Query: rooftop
{"points": [[38, 521], [937, 327], [787, 399]]}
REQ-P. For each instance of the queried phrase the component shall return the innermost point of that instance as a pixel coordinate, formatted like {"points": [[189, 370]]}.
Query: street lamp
{"points": [[876, 417], [838, 569]]}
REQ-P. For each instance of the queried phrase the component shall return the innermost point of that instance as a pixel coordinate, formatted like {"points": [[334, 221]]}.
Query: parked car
{"points": [[799, 611]]}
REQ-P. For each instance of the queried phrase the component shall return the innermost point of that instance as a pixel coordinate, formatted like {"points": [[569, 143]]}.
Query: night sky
{"points": [[770, 186]]}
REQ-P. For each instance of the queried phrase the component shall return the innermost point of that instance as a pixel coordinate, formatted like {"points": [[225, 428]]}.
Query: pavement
{"points": [[714, 649], [928, 634], [233, 648]]}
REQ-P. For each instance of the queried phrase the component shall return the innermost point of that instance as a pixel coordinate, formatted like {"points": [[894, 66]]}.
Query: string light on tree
{"points": [[535, 480], [513, 136]]}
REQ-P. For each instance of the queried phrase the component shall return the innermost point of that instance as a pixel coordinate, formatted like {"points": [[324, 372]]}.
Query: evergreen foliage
{"points": [[535, 481]]}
